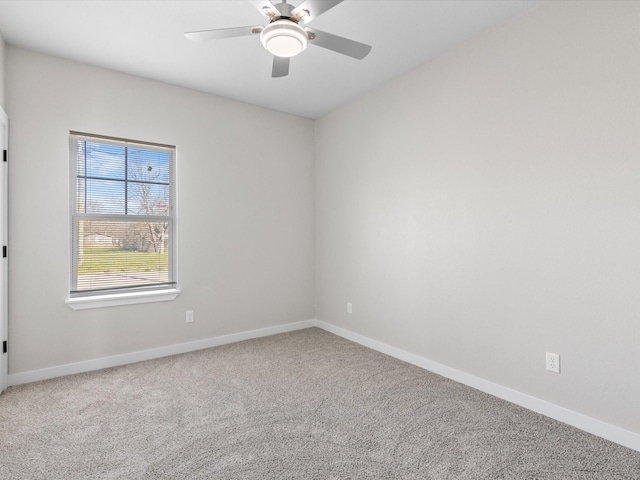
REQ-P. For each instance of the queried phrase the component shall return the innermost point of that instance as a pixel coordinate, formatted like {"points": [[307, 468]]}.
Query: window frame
{"points": [[120, 295]]}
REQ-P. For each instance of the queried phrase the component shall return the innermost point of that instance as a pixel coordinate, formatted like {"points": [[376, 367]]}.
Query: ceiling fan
{"points": [[287, 35]]}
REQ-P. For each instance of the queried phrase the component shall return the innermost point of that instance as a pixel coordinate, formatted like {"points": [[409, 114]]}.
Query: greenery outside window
{"points": [[122, 216]]}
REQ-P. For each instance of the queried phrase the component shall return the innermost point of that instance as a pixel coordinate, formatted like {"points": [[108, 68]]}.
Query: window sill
{"points": [[116, 299]]}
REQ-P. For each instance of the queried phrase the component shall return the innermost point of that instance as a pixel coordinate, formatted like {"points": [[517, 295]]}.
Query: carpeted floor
{"points": [[301, 405]]}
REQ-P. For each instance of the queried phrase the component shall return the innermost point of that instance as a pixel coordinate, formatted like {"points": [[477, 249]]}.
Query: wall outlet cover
{"points": [[553, 362]]}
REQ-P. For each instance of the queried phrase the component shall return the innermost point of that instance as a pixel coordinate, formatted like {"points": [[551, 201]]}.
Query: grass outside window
{"points": [[113, 260]]}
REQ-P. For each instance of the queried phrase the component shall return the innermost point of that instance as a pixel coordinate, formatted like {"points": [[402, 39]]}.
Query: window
{"points": [[123, 219]]}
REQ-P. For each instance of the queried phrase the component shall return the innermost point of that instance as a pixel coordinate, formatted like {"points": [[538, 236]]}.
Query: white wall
{"points": [[485, 209], [245, 211]]}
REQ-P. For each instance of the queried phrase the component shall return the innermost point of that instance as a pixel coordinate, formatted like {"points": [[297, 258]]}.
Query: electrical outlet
{"points": [[553, 362], [189, 317], [349, 308]]}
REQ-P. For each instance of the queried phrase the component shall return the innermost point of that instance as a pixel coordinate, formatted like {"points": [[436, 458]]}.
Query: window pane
{"points": [[103, 160], [114, 254], [147, 199], [101, 196], [148, 166]]}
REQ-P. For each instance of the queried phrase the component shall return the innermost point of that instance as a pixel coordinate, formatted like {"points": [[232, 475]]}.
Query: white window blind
{"points": [[122, 215]]}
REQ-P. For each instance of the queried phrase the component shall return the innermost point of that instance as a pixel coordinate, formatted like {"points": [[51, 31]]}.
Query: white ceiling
{"points": [[146, 38]]}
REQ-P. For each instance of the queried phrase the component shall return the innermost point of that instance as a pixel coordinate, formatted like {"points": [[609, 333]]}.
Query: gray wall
{"points": [[484, 209], [245, 211]]}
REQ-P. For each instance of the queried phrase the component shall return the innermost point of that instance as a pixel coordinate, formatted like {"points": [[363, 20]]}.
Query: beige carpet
{"points": [[302, 405]]}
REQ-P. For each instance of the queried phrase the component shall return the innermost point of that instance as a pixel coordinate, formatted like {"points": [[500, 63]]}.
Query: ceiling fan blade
{"points": [[265, 7], [223, 33], [280, 67], [311, 9], [338, 44]]}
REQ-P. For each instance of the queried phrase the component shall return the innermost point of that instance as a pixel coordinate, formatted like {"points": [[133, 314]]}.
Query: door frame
{"points": [[4, 268]]}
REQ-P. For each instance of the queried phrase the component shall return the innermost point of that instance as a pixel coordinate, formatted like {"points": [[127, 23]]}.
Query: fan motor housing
{"points": [[284, 9]]}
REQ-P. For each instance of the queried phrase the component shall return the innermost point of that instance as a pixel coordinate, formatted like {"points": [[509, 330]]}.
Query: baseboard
{"points": [[583, 422], [133, 357]]}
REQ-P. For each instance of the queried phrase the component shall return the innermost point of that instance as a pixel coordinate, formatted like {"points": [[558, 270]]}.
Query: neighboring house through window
{"points": [[122, 216]]}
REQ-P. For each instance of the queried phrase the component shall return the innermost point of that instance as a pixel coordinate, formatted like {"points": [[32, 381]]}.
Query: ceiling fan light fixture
{"points": [[284, 38]]}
